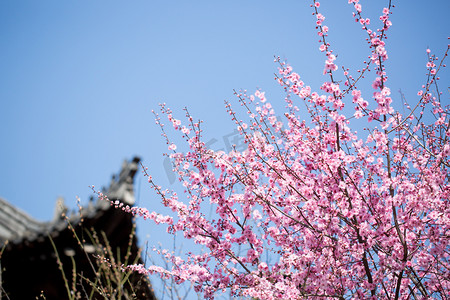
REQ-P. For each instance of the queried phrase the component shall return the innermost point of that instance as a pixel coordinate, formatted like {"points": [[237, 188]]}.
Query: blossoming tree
{"points": [[311, 210]]}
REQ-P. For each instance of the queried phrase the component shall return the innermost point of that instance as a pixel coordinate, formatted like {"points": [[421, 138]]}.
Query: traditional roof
{"points": [[17, 226], [30, 241]]}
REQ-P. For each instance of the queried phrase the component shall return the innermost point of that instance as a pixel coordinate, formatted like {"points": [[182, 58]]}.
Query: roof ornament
{"points": [[121, 186], [60, 209]]}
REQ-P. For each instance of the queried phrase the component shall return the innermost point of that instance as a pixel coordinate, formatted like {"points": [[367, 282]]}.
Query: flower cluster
{"points": [[311, 209]]}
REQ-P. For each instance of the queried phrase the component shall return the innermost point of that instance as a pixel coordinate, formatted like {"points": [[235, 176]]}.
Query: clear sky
{"points": [[79, 79]]}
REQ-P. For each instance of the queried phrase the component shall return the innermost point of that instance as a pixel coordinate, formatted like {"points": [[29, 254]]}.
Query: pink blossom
{"points": [[323, 201]]}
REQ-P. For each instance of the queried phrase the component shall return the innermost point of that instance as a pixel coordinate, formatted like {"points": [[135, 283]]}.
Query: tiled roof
{"points": [[16, 225]]}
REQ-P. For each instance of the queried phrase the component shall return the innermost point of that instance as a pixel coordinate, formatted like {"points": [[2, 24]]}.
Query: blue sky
{"points": [[79, 79]]}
